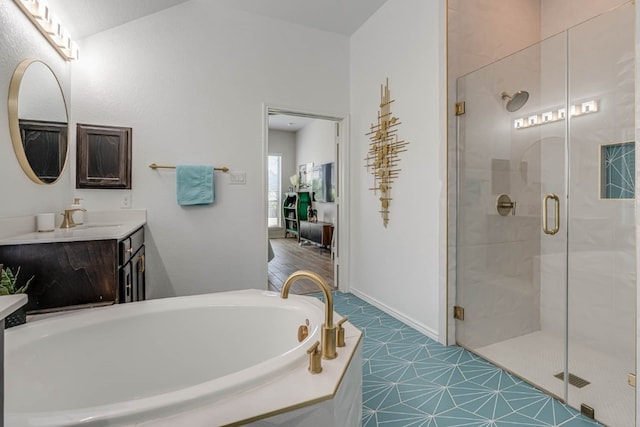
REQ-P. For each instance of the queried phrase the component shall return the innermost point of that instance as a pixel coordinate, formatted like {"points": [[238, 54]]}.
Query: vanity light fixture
{"points": [[579, 109], [46, 22]]}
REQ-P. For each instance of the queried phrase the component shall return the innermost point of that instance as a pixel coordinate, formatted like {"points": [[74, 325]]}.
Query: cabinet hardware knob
{"points": [[129, 250]]}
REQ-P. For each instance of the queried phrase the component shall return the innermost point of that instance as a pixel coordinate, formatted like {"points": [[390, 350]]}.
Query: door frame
{"points": [[341, 238]]}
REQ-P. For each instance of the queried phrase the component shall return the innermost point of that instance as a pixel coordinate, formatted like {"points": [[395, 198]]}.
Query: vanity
{"points": [[100, 263]]}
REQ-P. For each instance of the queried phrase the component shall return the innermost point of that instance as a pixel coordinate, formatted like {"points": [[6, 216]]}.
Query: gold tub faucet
{"points": [[328, 329]]}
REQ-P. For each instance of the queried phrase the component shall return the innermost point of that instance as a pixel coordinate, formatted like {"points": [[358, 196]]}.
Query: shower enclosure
{"points": [[545, 250]]}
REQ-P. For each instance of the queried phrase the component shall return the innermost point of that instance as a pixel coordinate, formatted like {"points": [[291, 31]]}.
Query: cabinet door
{"points": [[126, 283], [315, 234], [138, 276], [305, 230], [103, 157], [65, 274]]}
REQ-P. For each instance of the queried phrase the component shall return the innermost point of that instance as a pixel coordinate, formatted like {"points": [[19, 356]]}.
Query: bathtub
{"points": [[132, 363]]}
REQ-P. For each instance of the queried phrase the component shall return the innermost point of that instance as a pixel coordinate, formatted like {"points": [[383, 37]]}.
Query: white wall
{"points": [[398, 267], [283, 143], [316, 143], [191, 82], [20, 40]]}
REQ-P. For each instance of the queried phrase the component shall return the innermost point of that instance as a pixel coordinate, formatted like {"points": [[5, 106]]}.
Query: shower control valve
{"points": [[504, 205]]}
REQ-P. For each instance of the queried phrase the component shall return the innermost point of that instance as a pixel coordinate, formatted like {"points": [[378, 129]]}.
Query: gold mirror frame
{"points": [[14, 121]]}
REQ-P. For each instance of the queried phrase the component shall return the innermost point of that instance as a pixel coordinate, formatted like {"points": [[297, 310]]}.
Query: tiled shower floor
{"points": [[608, 392], [410, 380]]}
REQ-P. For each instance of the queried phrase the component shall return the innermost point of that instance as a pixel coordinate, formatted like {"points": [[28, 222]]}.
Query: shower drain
{"points": [[574, 380]]}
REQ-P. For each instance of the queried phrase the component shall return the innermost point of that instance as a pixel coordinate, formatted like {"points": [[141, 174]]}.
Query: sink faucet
{"points": [[67, 220], [328, 329]]}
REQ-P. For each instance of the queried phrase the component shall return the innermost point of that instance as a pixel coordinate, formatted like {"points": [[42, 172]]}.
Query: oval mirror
{"points": [[38, 121]]}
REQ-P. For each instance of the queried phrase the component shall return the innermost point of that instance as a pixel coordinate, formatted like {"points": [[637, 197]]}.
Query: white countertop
{"points": [[100, 226], [10, 303]]}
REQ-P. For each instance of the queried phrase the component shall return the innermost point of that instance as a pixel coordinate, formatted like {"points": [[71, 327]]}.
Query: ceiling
{"points": [[83, 18], [87, 17], [288, 123]]}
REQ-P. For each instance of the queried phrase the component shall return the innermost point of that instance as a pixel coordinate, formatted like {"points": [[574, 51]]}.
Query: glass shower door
{"points": [[511, 275], [601, 263], [545, 238]]}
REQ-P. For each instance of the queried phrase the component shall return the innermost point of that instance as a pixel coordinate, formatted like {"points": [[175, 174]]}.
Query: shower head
{"points": [[516, 101]]}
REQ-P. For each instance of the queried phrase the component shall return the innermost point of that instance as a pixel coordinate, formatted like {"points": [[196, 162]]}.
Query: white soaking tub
{"points": [[131, 363]]}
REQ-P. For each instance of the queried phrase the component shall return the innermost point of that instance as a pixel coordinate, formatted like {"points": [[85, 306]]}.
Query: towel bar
{"points": [[155, 166]]}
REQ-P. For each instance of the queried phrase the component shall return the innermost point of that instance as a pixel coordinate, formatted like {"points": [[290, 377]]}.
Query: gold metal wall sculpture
{"points": [[382, 157]]}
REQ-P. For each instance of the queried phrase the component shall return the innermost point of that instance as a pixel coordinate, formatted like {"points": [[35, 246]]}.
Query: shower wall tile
{"points": [[552, 295], [601, 298], [502, 36], [559, 15], [473, 260], [500, 176], [505, 308], [528, 226]]}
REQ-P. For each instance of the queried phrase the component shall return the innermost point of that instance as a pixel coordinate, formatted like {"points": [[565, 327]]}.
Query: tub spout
{"points": [[328, 329]]}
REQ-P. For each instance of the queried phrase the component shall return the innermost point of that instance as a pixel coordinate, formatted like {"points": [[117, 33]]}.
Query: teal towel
{"points": [[194, 184]]}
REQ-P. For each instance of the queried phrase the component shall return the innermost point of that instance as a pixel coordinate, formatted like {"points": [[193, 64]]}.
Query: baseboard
{"points": [[276, 233], [393, 313]]}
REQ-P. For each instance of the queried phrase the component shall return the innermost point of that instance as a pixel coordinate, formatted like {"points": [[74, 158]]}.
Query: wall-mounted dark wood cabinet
{"points": [[103, 158]]}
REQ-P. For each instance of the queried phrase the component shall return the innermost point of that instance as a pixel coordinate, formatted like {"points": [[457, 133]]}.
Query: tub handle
{"points": [[303, 332], [315, 358], [340, 333]]}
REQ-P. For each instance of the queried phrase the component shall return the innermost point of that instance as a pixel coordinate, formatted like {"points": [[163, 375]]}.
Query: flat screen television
{"points": [[323, 183]]}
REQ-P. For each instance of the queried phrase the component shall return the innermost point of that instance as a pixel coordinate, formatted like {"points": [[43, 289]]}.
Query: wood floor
{"points": [[290, 257]]}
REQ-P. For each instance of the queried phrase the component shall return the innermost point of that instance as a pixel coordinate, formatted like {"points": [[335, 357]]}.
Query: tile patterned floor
{"points": [[411, 380]]}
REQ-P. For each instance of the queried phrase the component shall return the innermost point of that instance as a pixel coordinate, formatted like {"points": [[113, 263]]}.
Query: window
{"points": [[273, 197]]}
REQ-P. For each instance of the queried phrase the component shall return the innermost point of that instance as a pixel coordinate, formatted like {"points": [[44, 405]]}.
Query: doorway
{"points": [[545, 264], [304, 177]]}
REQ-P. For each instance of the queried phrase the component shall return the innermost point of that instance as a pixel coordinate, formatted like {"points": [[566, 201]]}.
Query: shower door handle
{"points": [[545, 226]]}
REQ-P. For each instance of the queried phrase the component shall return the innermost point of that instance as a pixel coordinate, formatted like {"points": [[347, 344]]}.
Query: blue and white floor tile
{"points": [[411, 380]]}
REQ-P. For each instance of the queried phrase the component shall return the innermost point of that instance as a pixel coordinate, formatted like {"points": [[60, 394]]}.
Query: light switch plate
{"points": [[238, 178]]}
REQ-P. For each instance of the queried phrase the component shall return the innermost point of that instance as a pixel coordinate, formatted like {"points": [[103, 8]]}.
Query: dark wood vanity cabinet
{"points": [[79, 274]]}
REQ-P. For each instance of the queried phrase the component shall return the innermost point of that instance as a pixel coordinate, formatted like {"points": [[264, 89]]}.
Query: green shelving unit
{"points": [[290, 215], [294, 210]]}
